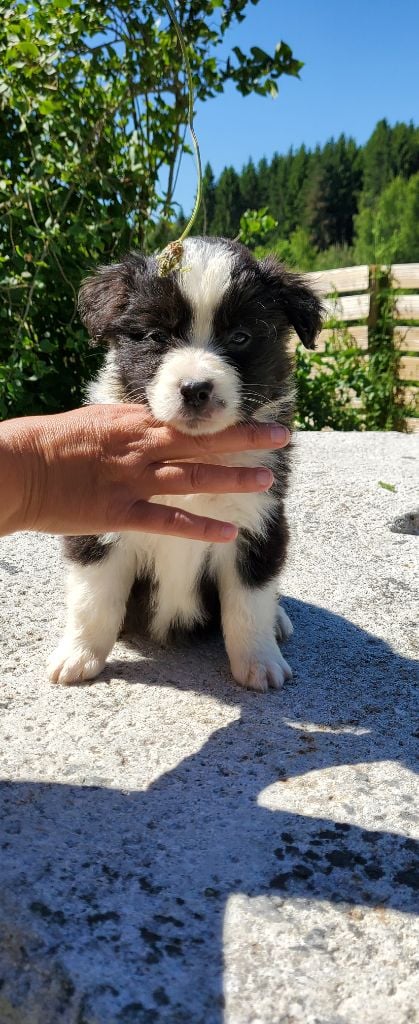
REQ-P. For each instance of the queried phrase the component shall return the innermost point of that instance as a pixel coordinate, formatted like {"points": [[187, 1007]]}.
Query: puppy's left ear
{"points": [[103, 298], [301, 306]]}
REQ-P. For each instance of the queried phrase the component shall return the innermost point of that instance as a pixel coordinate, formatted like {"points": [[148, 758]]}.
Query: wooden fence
{"points": [[348, 295]]}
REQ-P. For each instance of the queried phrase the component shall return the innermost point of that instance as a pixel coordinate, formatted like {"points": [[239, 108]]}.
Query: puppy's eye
{"points": [[239, 339], [158, 336]]}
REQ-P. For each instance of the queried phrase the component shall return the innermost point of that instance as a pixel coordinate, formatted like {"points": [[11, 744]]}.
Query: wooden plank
{"points": [[406, 307], [409, 368], [412, 424], [343, 279], [407, 338], [357, 333], [405, 275], [348, 307]]}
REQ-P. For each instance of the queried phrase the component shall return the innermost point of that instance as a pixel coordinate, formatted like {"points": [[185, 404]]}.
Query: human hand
{"points": [[93, 470]]}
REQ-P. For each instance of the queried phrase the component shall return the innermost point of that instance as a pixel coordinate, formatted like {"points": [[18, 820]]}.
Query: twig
{"points": [[171, 256]]}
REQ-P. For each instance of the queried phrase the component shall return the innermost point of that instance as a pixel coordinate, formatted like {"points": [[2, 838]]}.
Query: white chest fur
{"points": [[176, 565]]}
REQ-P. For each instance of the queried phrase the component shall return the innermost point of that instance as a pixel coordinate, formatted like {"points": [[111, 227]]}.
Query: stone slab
{"points": [[174, 849]]}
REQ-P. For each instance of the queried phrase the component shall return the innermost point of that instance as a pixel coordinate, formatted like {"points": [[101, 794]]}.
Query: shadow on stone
{"points": [[114, 901]]}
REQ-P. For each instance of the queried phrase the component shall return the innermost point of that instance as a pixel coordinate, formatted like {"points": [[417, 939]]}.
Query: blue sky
{"points": [[361, 64]]}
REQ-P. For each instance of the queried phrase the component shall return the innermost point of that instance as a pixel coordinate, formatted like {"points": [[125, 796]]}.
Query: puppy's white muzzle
{"points": [[195, 391]]}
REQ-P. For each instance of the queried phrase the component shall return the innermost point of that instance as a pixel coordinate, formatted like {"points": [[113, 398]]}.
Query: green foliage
{"points": [[389, 153], [259, 72], [249, 187], [378, 227], [92, 120], [387, 487], [297, 251], [382, 396], [349, 389], [255, 225], [332, 194], [388, 231], [333, 257], [409, 232], [228, 206], [206, 212], [340, 375]]}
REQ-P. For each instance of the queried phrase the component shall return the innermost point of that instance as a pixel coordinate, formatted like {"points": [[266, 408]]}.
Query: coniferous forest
{"points": [[337, 205]]}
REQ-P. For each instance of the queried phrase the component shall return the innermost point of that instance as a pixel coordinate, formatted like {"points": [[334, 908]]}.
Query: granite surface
{"points": [[176, 849]]}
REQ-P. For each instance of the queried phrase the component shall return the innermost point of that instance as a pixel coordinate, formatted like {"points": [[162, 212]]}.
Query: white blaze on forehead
{"points": [[205, 276]]}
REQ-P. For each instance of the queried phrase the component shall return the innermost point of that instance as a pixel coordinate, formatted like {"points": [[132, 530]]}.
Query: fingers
{"points": [[151, 518], [201, 478], [242, 438]]}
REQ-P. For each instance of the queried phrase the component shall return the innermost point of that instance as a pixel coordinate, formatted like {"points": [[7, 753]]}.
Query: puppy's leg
{"points": [[248, 618], [96, 599], [283, 627], [249, 607]]}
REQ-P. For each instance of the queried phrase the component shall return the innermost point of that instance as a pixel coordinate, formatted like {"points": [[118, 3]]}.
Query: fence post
{"points": [[384, 358], [373, 287]]}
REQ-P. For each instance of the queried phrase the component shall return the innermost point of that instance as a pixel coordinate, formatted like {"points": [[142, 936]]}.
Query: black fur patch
{"points": [[259, 559], [140, 315], [139, 608], [85, 550], [127, 299], [264, 365], [294, 299]]}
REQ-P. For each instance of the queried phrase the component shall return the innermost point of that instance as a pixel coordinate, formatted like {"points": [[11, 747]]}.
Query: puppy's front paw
{"points": [[283, 625], [74, 664], [259, 670]]}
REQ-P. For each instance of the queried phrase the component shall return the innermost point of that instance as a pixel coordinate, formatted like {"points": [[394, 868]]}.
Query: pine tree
{"points": [[300, 168], [409, 229], [228, 204], [332, 196], [377, 163], [404, 150], [322, 192], [279, 192], [249, 187], [203, 223], [379, 229], [264, 176]]}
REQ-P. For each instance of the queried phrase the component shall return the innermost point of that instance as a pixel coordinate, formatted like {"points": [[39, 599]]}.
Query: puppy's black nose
{"points": [[196, 393]]}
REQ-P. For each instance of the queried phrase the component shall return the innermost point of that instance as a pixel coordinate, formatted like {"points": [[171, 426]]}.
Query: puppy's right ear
{"points": [[300, 304], [103, 298]]}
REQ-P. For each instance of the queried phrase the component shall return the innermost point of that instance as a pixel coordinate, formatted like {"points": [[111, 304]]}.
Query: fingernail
{"points": [[264, 477], [229, 532], [280, 434]]}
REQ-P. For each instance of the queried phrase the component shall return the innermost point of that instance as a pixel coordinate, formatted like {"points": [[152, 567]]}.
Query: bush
{"points": [[388, 231], [92, 116], [350, 389]]}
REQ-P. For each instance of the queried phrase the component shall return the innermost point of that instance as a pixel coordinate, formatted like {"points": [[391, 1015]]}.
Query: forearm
{"points": [[15, 473]]}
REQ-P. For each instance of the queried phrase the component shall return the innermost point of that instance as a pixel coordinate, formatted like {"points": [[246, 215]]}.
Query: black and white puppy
{"points": [[204, 348]]}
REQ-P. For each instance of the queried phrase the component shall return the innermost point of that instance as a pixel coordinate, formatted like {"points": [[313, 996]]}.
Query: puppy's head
{"points": [[205, 346]]}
